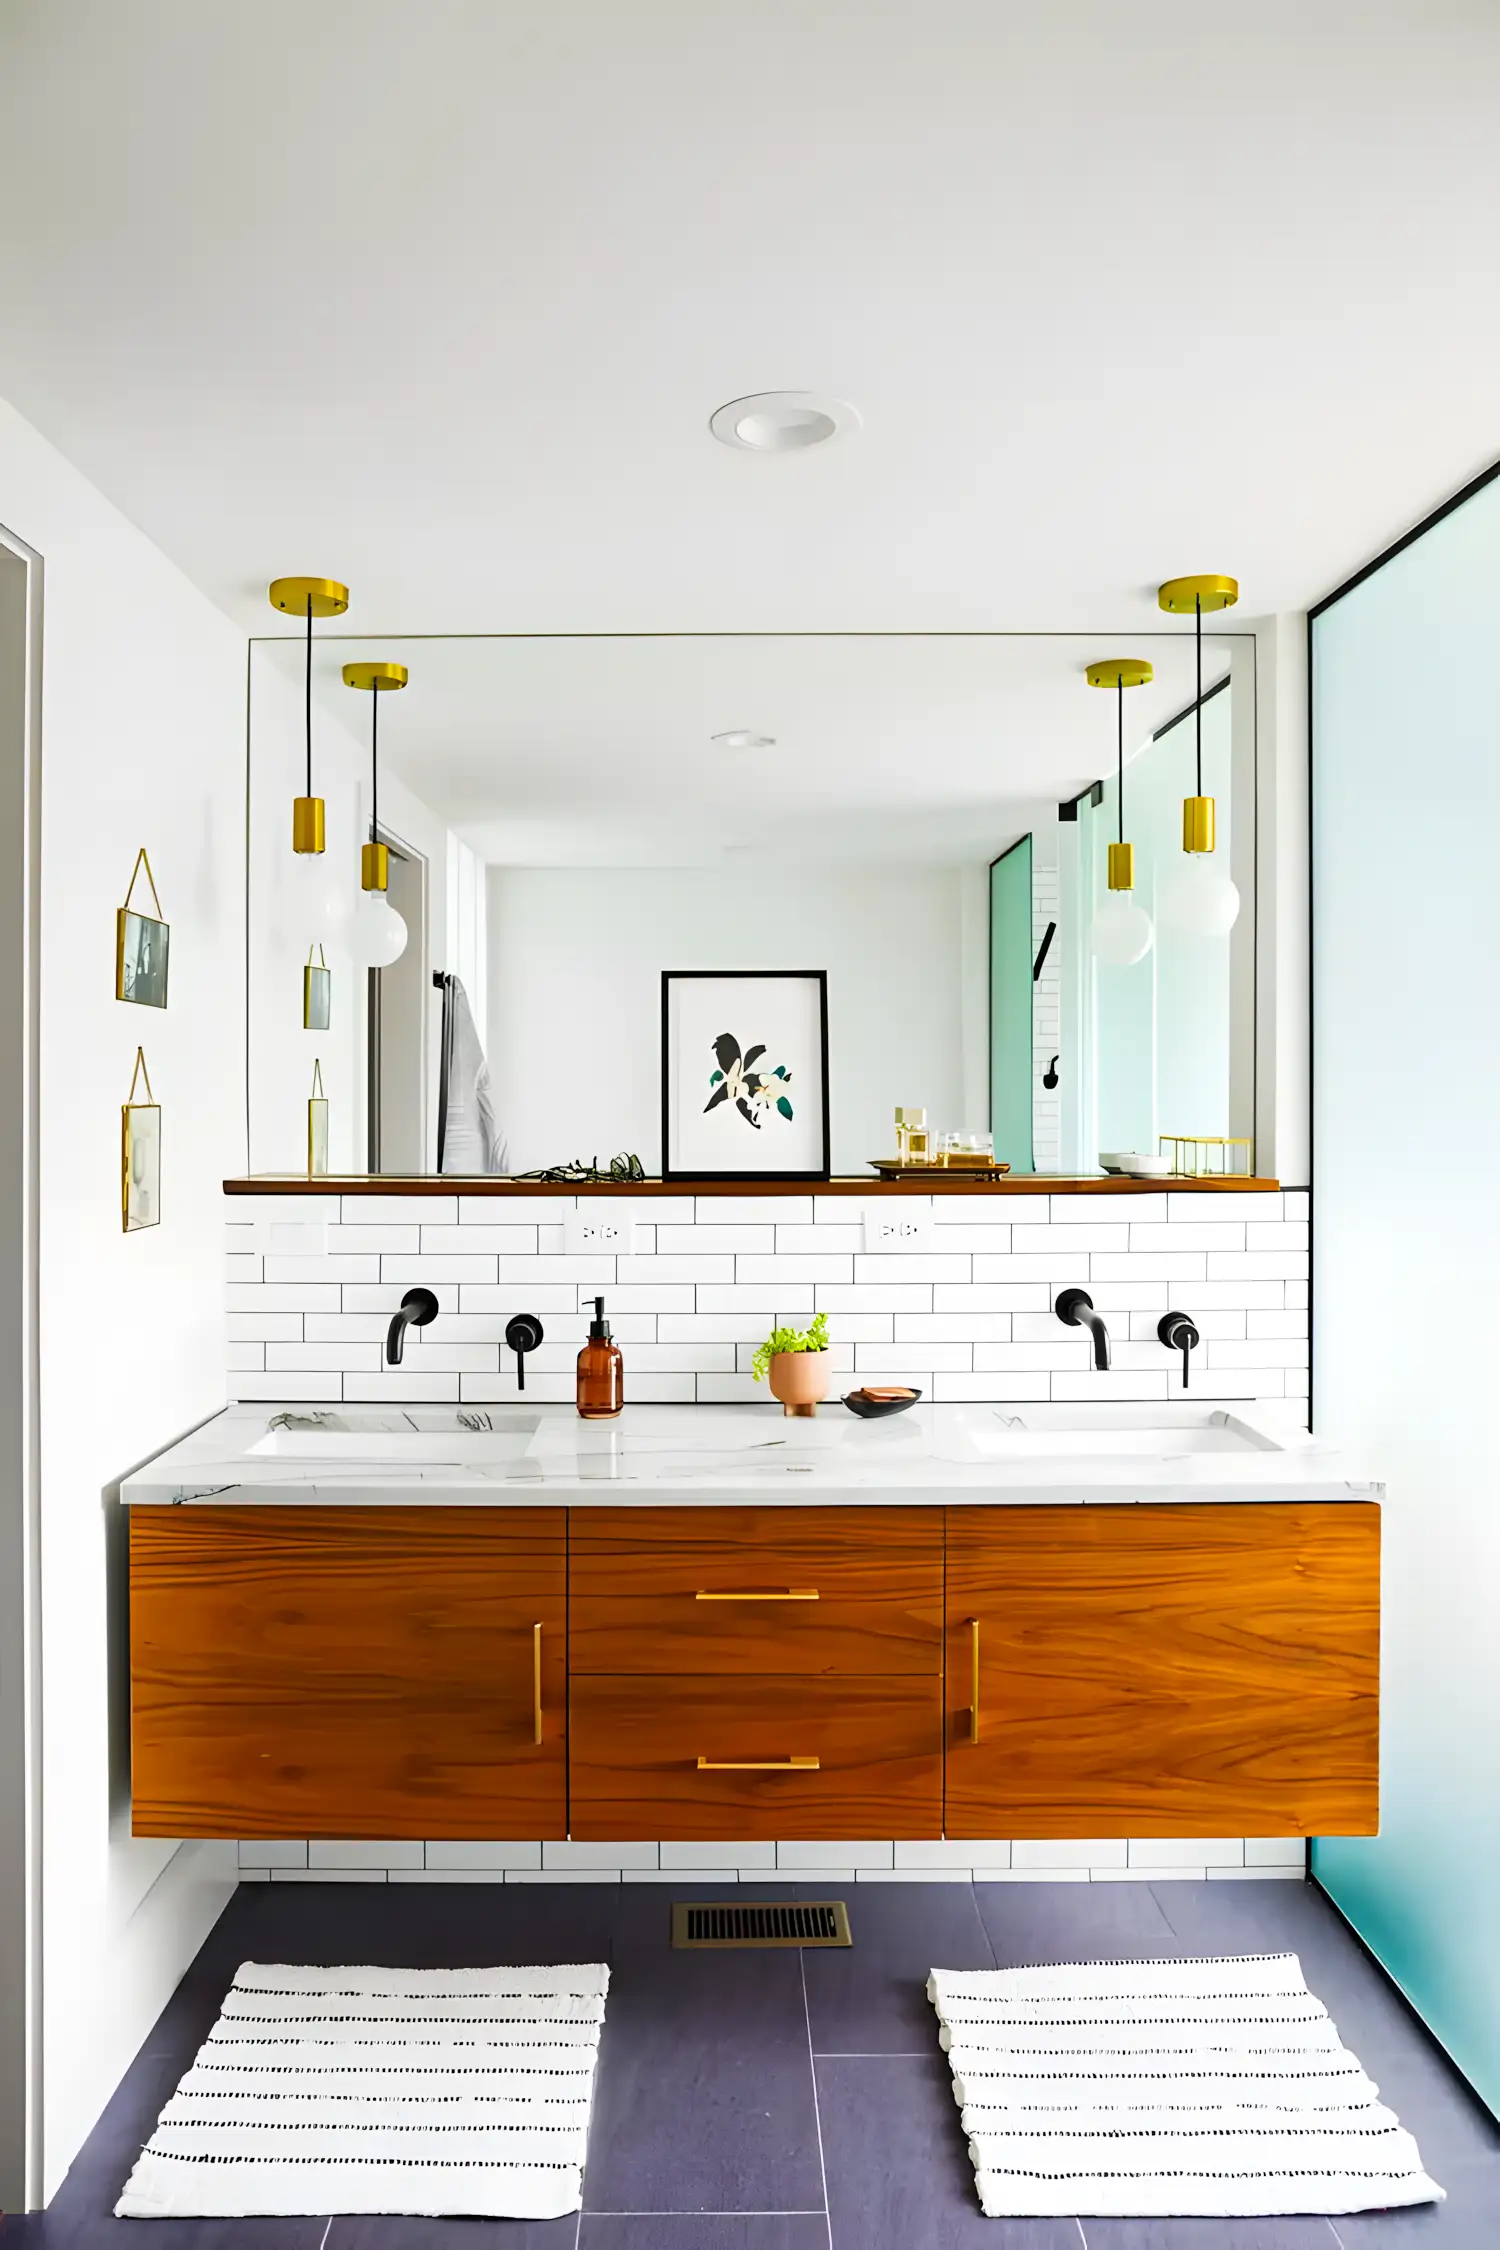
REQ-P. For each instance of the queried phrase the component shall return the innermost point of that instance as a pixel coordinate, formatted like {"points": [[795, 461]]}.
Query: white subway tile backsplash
{"points": [[1179, 1851], [1276, 1851], [454, 1855], [828, 1857], [321, 1853], [242, 1265], [728, 1858], [968, 1317], [403, 1210], [260, 1853], [1068, 1851], [600, 1855], [343, 1241]]}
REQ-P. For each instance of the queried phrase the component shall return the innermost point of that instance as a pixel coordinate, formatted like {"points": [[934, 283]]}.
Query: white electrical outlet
{"points": [[898, 1230], [588, 1233]]}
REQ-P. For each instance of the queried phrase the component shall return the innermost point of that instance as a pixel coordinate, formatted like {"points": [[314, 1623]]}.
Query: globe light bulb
{"points": [[1198, 899], [377, 934], [1121, 934], [324, 903]]}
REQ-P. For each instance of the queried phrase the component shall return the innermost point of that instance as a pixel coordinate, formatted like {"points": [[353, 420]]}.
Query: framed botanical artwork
{"points": [[744, 1074], [142, 942], [140, 1153]]}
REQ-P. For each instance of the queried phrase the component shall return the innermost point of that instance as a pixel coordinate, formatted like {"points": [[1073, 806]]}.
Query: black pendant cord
{"points": [[1120, 753], [307, 696], [374, 764], [1198, 703]]}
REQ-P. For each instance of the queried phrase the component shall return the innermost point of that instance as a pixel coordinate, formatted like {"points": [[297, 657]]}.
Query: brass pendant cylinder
{"points": [[307, 824], [1122, 867], [1197, 824], [374, 867]]}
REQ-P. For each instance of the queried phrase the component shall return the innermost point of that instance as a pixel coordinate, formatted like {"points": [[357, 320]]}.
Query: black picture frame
{"points": [[669, 977]]}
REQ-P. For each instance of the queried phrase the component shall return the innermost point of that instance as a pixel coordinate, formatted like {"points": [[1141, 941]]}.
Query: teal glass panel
{"points": [[1010, 1006], [1406, 948]]}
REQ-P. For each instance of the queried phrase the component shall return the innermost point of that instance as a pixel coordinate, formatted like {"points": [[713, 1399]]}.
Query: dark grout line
{"points": [[812, 2064]]}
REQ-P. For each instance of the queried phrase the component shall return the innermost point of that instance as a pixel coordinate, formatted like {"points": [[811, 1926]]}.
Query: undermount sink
{"points": [[476, 1433], [1161, 1432]]}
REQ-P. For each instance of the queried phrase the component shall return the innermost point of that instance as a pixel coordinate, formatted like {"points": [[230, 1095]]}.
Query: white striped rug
{"points": [[1154, 2089], [451, 2092]]}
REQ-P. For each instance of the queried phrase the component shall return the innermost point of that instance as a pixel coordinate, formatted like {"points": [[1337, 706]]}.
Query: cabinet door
{"points": [[385, 1672], [1200, 1670]]}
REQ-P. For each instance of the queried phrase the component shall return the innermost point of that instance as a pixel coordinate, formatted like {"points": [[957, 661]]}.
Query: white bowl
{"points": [[1135, 1165]]}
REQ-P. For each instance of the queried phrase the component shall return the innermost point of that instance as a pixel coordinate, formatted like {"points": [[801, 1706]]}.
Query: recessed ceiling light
{"points": [[742, 738], [781, 421]]}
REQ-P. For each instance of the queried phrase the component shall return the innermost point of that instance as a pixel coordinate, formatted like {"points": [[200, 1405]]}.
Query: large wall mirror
{"points": [[923, 817]]}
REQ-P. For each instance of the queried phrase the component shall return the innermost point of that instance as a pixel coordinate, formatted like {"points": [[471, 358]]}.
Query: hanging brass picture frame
{"points": [[142, 943], [317, 991], [140, 1154], [317, 1127]]}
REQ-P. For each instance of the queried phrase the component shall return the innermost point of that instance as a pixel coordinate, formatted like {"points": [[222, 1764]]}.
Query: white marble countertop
{"points": [[718, 1455]]}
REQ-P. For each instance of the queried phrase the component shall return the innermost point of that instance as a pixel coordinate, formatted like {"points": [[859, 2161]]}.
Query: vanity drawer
{"points": [[786, 1758], [800, 1591]]}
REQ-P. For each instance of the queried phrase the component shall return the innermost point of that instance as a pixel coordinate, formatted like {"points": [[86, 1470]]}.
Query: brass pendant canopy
{"points": [[377, 674], [324, 596], [1207, 591], [1120, 671]]}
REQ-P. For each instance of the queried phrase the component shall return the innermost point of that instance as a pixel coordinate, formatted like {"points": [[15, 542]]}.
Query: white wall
{"points": [[576, 956], [142, 743]]}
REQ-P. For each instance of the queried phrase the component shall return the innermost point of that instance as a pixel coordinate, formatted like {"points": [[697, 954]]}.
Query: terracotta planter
{"points": [[799, 1380]]}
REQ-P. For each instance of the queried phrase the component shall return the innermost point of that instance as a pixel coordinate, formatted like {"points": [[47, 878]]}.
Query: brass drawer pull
{"points": [[974, 1679], [757, 1765], [763, 1594], [536, 1678]]}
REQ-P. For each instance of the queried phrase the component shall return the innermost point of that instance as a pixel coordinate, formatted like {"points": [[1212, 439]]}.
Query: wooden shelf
{"points": [[925, 1183]]}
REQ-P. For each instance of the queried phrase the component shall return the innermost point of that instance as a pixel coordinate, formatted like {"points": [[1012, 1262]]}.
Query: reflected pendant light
{"points": [[379, 935], [1121, 933], [1199, 898], [309, 598]]}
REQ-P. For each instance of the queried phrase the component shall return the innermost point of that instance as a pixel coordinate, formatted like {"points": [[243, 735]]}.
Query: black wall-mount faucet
{"points": [[1178, 1333], [1075, 1308], [418, 1307], [523, 1333]]}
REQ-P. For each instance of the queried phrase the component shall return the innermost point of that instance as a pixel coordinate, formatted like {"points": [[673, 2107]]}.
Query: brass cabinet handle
{"points": [[536, 1678], [765, 1594], [757, 1765], [974, 1679]]}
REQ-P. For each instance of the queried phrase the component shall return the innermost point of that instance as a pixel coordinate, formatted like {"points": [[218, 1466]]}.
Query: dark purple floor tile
{"points": [[427, 1925], [1452, 2127], [872, 1999], [899, 2175], [704, 2096], [779, 2230], [101, 2231], [1208, 2234], [1030, 1923], [451, 2234]]}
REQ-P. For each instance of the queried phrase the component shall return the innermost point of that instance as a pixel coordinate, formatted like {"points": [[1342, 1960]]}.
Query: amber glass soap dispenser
{"points": [[601, 1371]]}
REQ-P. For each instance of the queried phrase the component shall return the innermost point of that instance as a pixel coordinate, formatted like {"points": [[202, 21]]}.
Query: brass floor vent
{"points": [[764, 1922]]}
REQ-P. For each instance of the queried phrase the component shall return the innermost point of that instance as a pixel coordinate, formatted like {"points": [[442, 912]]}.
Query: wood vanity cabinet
{"points": [[350, 1672], [1192, 1670], [756, 1672]]}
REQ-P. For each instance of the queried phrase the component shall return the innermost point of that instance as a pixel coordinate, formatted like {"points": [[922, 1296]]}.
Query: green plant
{"points": [[811, 1339]]}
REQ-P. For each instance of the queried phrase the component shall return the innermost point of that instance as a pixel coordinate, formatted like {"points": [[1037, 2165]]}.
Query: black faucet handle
{"points": [[523, 1333], [1179, 1334]]}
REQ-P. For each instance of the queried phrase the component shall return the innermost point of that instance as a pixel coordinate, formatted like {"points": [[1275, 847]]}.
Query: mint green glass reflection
{"points": [[1010, 1006], [1406, 808]]}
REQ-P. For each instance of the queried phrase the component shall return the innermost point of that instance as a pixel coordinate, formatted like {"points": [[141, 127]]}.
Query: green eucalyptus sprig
{"points": [[813, 1338]]}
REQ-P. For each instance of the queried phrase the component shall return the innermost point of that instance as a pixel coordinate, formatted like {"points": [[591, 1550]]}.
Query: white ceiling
{"points": [[437, 296], [570, 752]]}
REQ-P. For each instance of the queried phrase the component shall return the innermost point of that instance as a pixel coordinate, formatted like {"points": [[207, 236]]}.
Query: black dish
{"points": [[872, 1409]]}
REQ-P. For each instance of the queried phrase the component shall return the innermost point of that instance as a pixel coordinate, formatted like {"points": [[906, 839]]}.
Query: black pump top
{"points": [[599, 1326]]}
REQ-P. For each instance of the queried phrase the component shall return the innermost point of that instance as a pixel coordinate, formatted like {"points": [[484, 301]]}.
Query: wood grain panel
{"points": [[359, 1672], [636, 1575], [635, 1746], [1198, 1670]]}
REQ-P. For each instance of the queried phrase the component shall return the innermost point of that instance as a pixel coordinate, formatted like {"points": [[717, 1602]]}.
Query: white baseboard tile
{"points": [[1276, 1851], [849, 1856], [1180, 1851], [1147, 1874], [583, 1856], [700, 1856], [321, 1853], [260, 1852], [447, 1875], [951, 1852], [1030, 1853], [562, 1875], [1031, 1874], [1255, 1874], [255, 1875], [914, 1875], [465, 1854]]}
